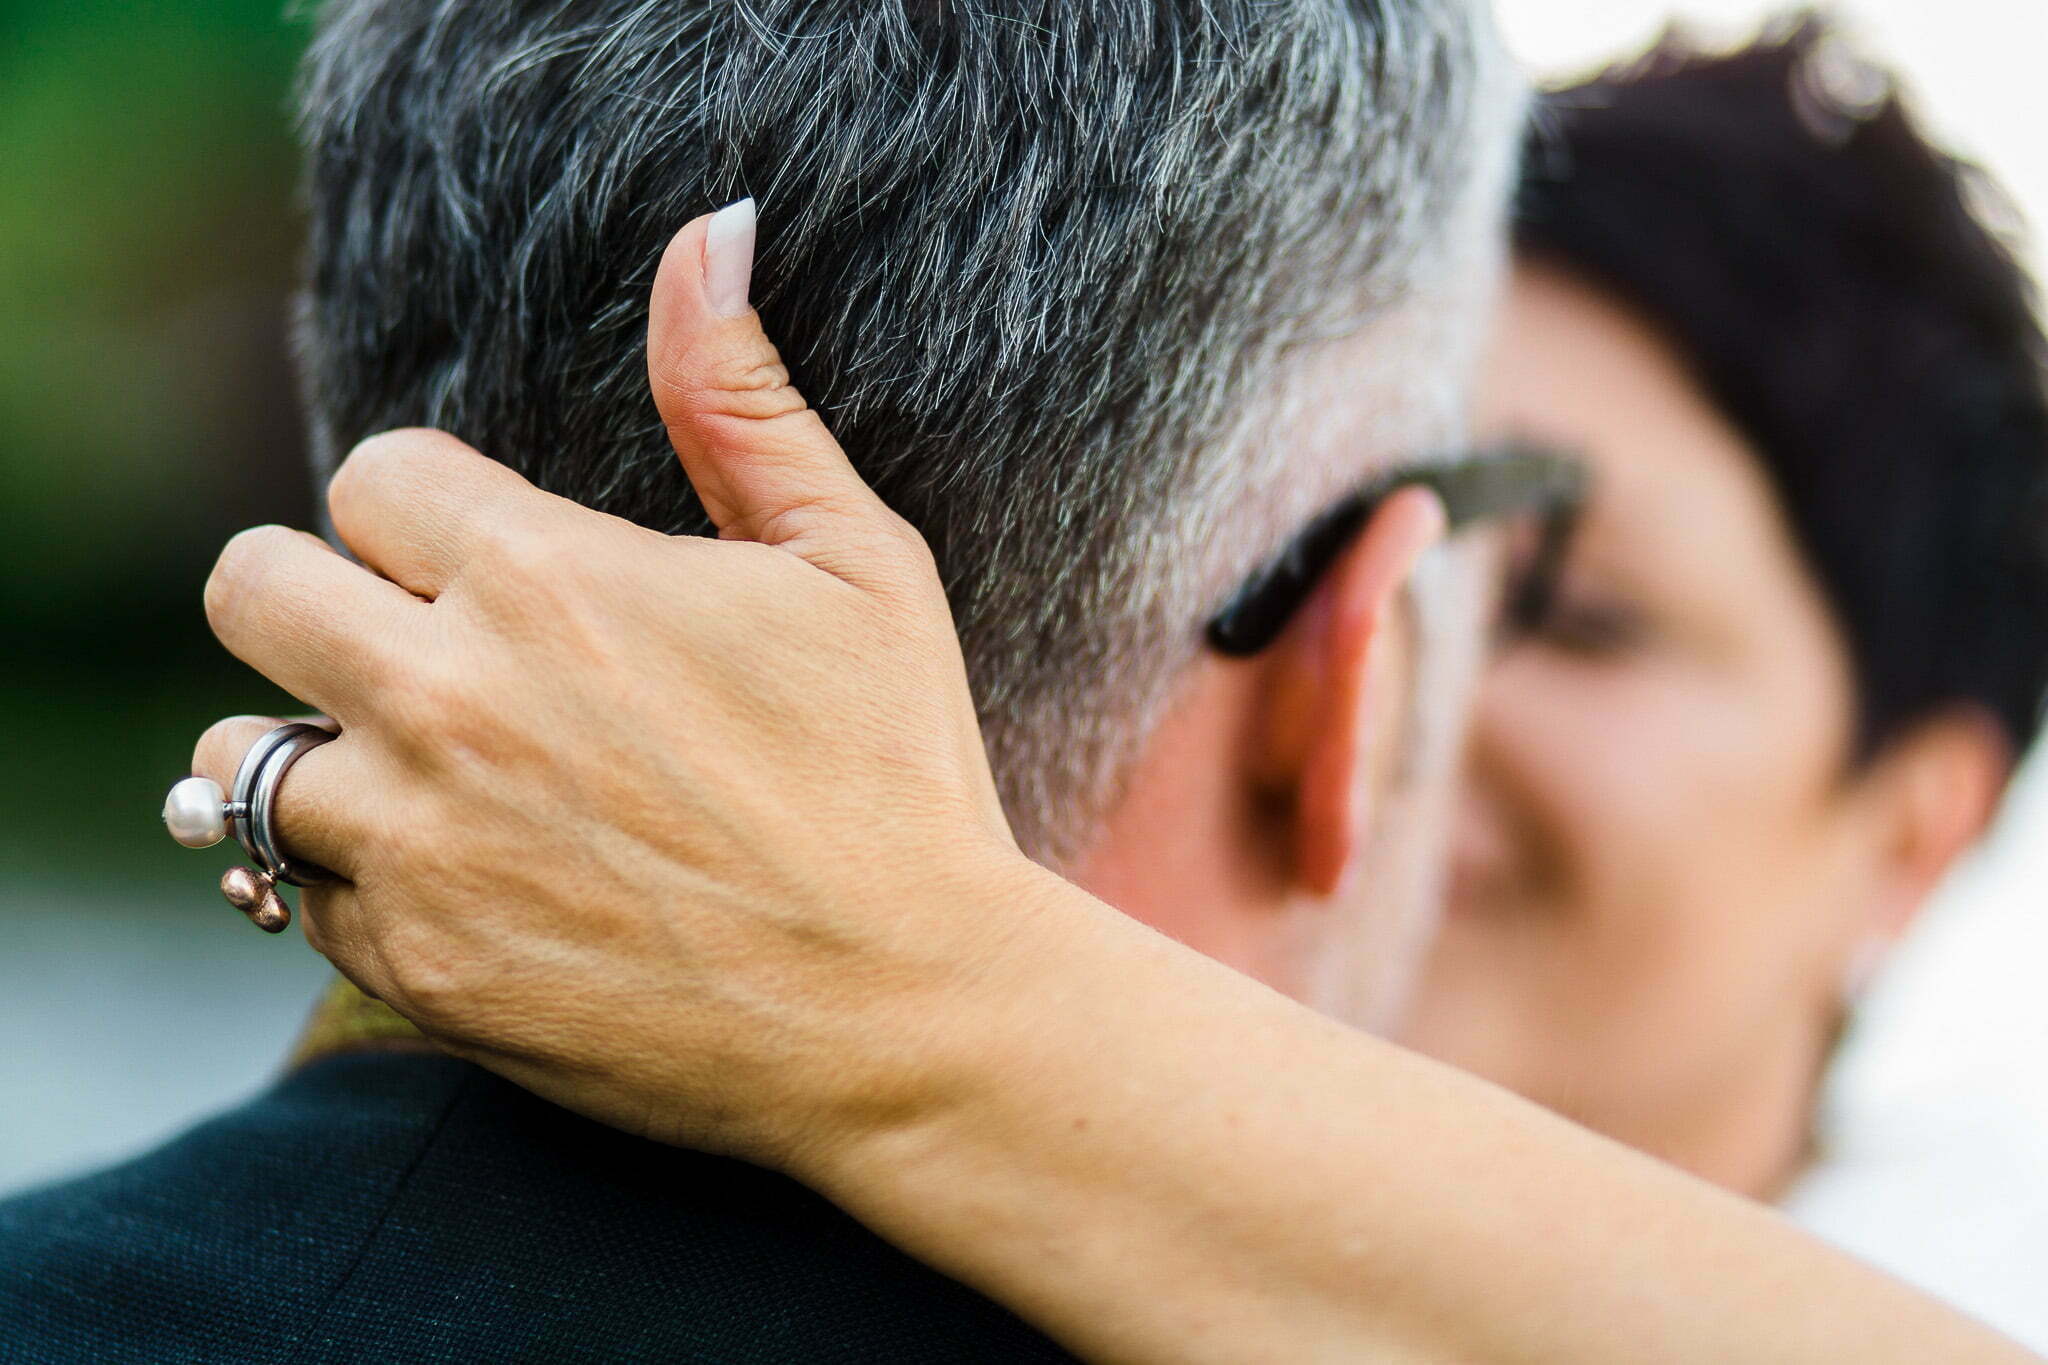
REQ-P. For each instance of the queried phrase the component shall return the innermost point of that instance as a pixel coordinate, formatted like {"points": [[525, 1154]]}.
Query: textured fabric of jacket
{"points": [[413, 1208]]}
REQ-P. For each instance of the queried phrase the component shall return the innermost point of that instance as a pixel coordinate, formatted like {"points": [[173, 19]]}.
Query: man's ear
{"points": [[1936, 789], [1321, 725]]}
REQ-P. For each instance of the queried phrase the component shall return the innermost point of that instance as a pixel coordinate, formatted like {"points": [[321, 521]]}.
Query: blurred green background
{"points": [[147, 242]]}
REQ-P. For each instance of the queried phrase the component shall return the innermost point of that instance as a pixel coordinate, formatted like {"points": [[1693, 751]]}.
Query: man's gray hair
{"points": [[1049, 268]]}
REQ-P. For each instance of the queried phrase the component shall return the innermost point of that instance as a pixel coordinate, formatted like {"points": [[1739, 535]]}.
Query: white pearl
{"points": [[192, 812]]}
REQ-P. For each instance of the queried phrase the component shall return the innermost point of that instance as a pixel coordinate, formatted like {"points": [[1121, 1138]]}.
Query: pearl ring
{"points": [[199, 815]]}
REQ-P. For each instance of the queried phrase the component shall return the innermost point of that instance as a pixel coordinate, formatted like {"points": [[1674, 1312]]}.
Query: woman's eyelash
{"points": [[1591, 626]]}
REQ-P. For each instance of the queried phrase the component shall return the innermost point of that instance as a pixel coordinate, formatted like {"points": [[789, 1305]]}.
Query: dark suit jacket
{"points": [[412, 1208]]}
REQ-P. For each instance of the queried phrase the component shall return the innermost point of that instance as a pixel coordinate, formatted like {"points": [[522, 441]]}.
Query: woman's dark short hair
{"points": [[1828, 277]]}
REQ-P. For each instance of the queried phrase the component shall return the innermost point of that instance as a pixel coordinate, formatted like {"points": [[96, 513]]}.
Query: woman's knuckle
{"points": [[214, 745], [425, 699], [219, 751], [766, 375], [520, 559], [759, 404], [911, 548], [238, 571], [431, 982], [405, 456]]}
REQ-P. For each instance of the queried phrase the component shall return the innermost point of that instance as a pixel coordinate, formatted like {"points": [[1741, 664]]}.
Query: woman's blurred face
{"points": [[1660, 878]]}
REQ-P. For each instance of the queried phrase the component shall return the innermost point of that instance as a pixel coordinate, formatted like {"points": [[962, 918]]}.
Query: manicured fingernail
{"points": [[729, 258]]}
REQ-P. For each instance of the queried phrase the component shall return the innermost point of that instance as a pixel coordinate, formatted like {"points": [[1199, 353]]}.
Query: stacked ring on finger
{"points": [[256, 784], [199, 816]]}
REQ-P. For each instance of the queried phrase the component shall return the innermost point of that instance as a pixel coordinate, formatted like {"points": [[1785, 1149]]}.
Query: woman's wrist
{"points": [[942, 1042], [1076, 1113]]}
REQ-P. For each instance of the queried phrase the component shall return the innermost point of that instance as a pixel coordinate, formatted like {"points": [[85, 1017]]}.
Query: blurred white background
{"points": [[1940, 1128]]}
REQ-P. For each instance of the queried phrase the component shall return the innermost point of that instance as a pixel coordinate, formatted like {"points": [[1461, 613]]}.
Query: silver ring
{"points": [[252, 807]]}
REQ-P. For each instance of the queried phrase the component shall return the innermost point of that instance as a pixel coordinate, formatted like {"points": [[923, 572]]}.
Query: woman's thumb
{"points": [[762, 462]]}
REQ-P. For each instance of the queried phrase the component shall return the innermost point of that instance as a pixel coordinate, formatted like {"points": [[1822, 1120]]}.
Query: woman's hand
{"points": [[616, 816], [698, 837]]}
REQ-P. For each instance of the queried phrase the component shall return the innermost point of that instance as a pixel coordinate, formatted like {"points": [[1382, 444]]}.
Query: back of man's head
{"points": [[1051, 269]]}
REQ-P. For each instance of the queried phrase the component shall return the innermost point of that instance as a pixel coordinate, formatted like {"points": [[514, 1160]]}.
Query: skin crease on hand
{"points": [[1667, 868]]}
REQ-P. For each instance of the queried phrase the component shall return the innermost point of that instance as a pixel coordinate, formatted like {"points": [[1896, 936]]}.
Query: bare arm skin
{"points": [[1164, 1161], [750, 890]]}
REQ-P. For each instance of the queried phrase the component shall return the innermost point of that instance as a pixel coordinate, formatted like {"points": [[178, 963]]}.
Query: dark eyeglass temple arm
{"points": [[1474, 488]]}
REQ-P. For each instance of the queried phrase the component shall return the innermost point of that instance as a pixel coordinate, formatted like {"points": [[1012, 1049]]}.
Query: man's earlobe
{"points": [[1322, 726]]}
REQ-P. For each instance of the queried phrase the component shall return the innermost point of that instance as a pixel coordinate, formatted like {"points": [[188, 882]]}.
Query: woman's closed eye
{"points": [[1590, 624]]}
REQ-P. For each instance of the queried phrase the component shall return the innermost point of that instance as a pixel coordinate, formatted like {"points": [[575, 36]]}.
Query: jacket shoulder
{"points": [[411, 1207], [226, 1243]]}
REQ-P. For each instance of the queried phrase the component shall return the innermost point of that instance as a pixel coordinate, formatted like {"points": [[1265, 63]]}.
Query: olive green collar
{"points": [[346, 1020]]}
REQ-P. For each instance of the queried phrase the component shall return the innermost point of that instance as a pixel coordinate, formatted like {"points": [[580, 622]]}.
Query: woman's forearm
{"points": [[1168, 1162]]}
